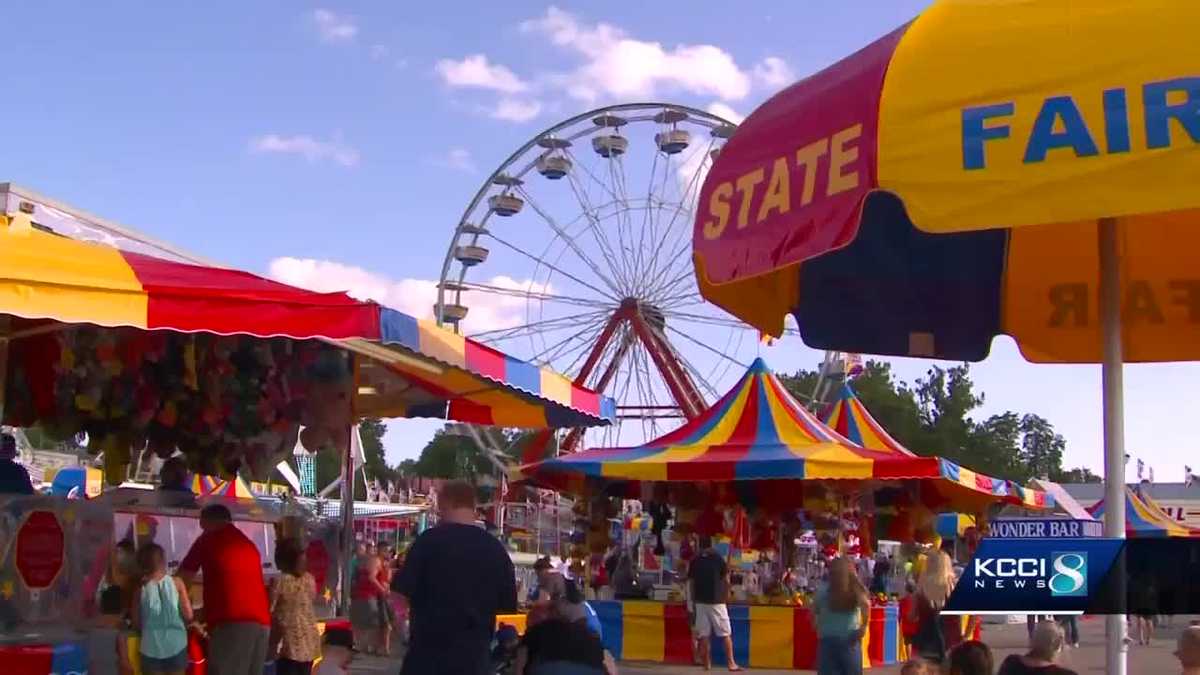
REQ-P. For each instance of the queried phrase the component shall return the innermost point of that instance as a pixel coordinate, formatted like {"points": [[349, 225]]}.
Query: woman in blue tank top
{"points": [[161, 612]]}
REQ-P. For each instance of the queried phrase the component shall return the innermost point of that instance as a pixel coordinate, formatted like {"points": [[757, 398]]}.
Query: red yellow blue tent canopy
{"points": [[234, 488], [1145, 518], [849, 417], [759, 432], [47, 280], [202, 484]]}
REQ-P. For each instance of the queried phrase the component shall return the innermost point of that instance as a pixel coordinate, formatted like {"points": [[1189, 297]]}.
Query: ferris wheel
{"points": [[576, 254]]}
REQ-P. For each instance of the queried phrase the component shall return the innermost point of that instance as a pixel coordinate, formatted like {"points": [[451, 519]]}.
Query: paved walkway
{"points": [[1156, 659]]}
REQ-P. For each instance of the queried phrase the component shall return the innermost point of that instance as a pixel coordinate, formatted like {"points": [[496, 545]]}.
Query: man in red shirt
{"points": [[236, 610]]}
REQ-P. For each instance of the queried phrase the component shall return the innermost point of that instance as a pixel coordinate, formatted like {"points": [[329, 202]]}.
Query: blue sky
{"points": [[349, 137]]}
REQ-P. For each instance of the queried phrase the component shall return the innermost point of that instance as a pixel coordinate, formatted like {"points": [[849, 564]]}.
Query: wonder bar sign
{"points": [[1043, 528]]}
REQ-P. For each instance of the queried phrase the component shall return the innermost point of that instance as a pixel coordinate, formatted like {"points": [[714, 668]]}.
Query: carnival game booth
{"points": [[151, 355], [758, 450]]}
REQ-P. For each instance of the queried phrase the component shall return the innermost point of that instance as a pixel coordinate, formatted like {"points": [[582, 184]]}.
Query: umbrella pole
{"points": [[1114, 426], [347, 517]]}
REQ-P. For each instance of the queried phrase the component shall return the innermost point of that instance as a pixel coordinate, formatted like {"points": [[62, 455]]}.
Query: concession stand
{"points": [[223, 368], [760, 470]]}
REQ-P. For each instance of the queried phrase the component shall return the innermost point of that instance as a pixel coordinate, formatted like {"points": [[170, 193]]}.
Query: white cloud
{"points": [[411, 296], [617, 66], [334, 27], [773, 73], [724, 111], [309, 148], [515, 110], [458, 159], [379, 52], [475, 71]]}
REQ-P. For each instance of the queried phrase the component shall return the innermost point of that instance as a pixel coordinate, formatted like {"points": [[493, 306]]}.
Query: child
{"points": [[161, 612], [337, 652], [104, 638]]}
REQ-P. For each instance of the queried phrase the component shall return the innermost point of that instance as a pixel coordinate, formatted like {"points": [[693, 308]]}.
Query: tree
{"points": [[1077, 475], [934, 417], [327, 465], [1041, 448], [453, 456], [372, 431]]}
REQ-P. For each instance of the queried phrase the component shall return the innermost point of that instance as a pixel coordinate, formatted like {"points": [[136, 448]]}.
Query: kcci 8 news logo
{"points": [[1063, 573]]}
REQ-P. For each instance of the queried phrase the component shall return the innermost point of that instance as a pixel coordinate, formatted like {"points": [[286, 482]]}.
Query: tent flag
{"points": [[1145, 518], [759, 432], [51, 279]]}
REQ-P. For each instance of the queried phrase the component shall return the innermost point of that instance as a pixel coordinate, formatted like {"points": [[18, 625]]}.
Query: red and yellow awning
{"points": [[759, 432], [46, 279]]}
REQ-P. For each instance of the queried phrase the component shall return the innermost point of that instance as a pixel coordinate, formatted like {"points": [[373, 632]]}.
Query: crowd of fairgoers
{"points": [[441, 598]]}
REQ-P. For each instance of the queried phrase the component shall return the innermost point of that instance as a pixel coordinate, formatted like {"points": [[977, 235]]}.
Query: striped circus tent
{"points": [[758, 436], [849, 417], [234, 488], [202, 484], [1145, 518]]}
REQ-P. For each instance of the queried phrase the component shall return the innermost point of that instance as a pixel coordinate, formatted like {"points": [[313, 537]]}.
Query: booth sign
{"points": [[1043, 528], [41, 549]]}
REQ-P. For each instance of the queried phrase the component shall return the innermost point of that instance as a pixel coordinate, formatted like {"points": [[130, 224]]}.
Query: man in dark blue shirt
{"points": [[456, 578], [14, 479]]}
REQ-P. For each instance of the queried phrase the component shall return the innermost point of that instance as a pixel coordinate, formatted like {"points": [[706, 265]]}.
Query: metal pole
{"points": [[347, 518], [3, 367], [1116, 648]]}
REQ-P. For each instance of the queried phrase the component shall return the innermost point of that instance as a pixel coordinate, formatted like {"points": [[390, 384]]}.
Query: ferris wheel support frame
{"points": [[687, 396]]}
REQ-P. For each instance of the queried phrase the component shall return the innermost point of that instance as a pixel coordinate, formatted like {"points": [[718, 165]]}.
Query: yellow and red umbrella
{"points": [[992, 167], [943, 186]]}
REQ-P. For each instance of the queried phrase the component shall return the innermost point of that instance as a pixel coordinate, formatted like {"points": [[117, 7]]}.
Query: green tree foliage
{"points": [[1079, 475], [933, 416], [452, 455], [327, 466], [372, 431]]}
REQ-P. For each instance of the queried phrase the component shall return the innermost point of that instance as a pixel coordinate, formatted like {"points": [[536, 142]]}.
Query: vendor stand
{"points": [[758, 451], [147, 354]]}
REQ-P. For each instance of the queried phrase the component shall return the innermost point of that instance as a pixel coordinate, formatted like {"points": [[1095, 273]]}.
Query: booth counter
{"points": [[59, 658], [763, 636]]}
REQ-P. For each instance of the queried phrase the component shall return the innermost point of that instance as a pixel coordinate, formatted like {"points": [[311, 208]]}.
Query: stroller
{"points": [[504, 649]]}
